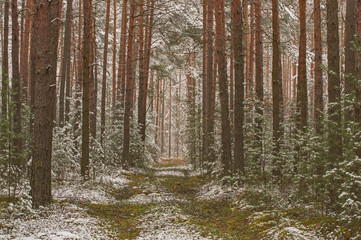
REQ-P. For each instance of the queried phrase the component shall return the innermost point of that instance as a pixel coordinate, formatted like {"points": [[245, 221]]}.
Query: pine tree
{"points": [[43, 61]]}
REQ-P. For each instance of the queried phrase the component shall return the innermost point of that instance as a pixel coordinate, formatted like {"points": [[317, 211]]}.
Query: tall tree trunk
{"points": [[122, 55], [79, 83], [358, 67], [350, 64], [277, 96], [5, 65], [318, 66], [237, 17], [86, 83], [259, 73], [24, 61], [93, 97], [208, 140], [147, 54], [170, 120], [44, 61], [104, 80], [302, 72], [334, 93], [204, 76], [129, 87], [16, 85], [223, 86], [114, 52], [142, 82], [65, 72]]}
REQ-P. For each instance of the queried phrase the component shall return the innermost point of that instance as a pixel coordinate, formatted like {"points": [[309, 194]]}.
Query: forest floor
{"points": [[166, 201]]}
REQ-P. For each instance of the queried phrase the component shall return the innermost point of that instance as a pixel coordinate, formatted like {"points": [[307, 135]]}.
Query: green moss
{"points": [[220, 219], [121, 218], [184, 187]]}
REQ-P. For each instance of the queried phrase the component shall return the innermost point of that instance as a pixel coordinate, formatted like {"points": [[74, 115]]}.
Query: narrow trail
{"points": [[165, 189]]}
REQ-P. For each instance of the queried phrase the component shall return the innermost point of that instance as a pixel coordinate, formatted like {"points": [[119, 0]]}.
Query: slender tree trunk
{"points": [[5, 65], [24, 61], [114, 53], [358, 67], [79, 83], [318, 66], [162, 117], [237, 17], [65, 72], [142, 82], [277, 96], [43, 59], [122, 55], [129, 87], [170, 120], [259, 73], [204, 77], [350, 64], [147, 54], [223, 86], [334, 93], [208, 141], [302, 73], [104, 80], [86, 81], [16, 86], [93, 97]]}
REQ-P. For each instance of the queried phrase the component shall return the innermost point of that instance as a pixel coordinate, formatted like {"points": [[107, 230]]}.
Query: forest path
{"points": [[152, 205]]}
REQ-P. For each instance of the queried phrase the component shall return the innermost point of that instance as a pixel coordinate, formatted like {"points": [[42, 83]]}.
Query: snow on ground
{"points": [[59, 222], [292, 232], [284, 228], [165, 173], [152, 198], [185, 167], [168, 223], [95, 191], [215, 191], [77, 192]]}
